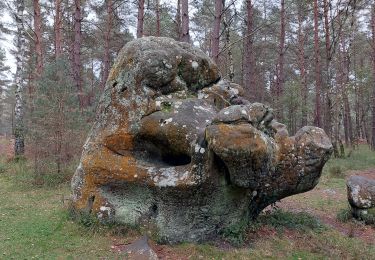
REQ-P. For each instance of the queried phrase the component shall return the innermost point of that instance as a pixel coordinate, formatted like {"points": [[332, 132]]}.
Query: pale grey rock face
{"points": [[361, 192], [183, 153], [361, 197]]}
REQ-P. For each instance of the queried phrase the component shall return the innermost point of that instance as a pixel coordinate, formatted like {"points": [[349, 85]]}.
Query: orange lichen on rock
{"points": [[175, 149]]}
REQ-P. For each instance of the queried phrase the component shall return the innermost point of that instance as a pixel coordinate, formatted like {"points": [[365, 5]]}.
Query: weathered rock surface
{"points": [[177, 151], [361, 197]]}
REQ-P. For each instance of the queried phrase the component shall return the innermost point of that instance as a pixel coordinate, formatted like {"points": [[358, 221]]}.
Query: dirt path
{"points": [[328, 216]]}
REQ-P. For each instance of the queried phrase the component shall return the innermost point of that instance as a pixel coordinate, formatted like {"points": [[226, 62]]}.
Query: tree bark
{"points": [[280, 65], [302, 65], [248, 57], [107, 43], [227, 44], [141, 14], [158, 18], [38, 38], [328, 102], [318, 70], [178, 20], [215, 39], [77, 63], [373, 71], [19, 127], [185, 35], [57, 28]]}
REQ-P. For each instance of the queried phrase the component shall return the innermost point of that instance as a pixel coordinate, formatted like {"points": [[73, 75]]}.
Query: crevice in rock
{"points": [[90, 203], [222, 167], [154, 211]]}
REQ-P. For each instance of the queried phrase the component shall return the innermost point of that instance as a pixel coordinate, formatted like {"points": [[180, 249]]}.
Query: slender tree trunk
{"points": [[318, 70], [328, 88], [38, 38], [280, 65], [141, 15], [227, 44], [77, 63], [215, 40], [107, 42], [178, 20], [158, 18], [248, 58], [19, 128], [302, 65], [373, 71], [57, 28], [185, 36]]}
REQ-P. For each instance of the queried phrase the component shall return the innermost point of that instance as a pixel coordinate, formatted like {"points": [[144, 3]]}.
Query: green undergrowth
{"points": [[35, 222], [300, 221], [361, 158]]}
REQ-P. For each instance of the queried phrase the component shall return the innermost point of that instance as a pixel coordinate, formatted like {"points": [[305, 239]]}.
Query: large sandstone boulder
{"points": [[361, 197], [177, 151]]}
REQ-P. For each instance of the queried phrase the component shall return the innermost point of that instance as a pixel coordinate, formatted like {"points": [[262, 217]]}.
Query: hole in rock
{"points": [[176, 160], [157, 154], [154, 210]]}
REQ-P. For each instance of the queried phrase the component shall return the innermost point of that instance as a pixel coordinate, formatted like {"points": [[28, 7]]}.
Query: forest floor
{"points": [[35, 222]]}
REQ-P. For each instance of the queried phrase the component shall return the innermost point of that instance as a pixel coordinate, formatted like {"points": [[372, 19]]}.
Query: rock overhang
{"points": [[174, 147]]}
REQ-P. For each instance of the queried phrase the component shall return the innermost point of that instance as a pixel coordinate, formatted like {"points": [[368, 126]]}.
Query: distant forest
{"points": [[312, 61]]}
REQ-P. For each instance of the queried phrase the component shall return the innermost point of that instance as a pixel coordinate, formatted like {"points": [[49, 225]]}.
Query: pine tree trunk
{"points": [[57, 28], [215, 40], [328, 102], [141, 14], [77, 63], [227, 44], [178, 20], [302, 65], [318, 70], [373, 71], [158, 18], [248, 57], [185, 36], [19, 127], [38, 38], [107, 43], [280, 65]]}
